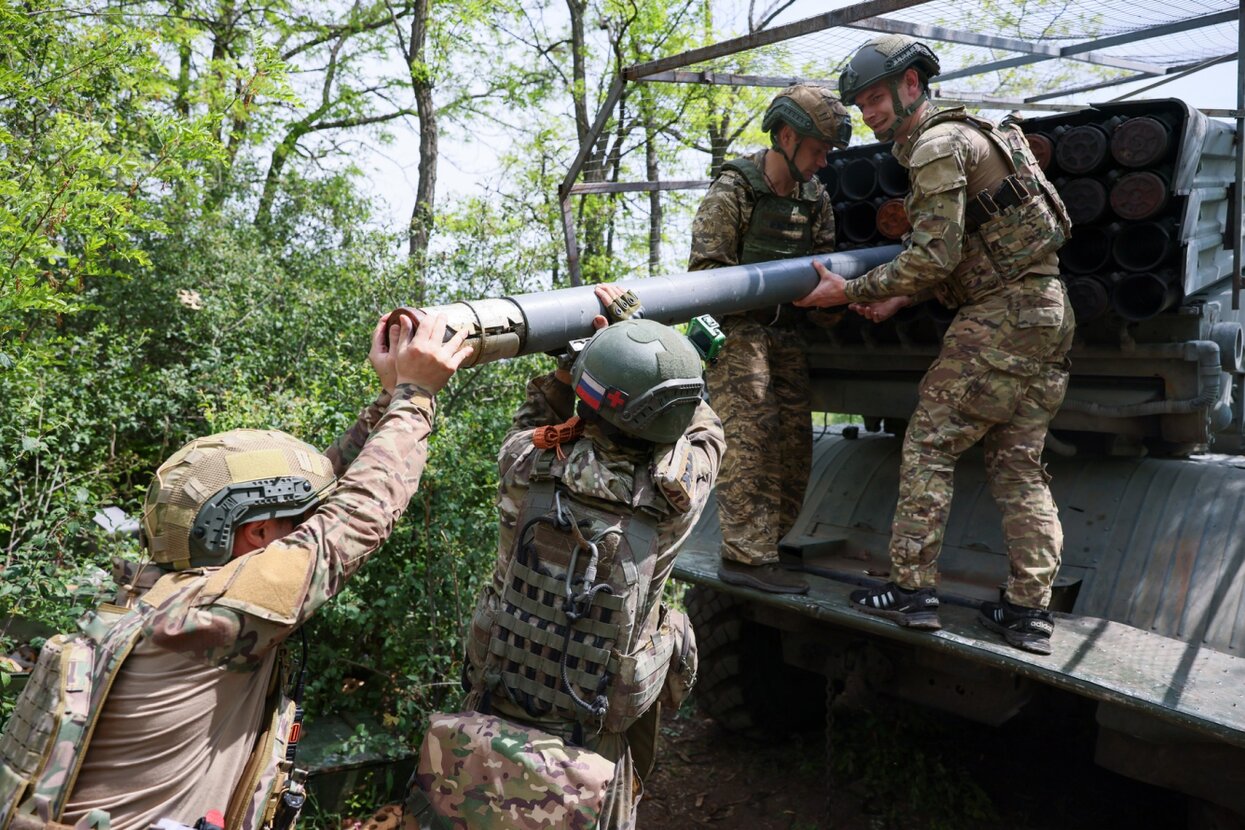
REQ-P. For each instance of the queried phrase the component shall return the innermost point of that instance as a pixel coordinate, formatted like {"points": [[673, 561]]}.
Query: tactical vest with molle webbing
{"points": [[47, 737], [578, 632], [1010, 227], [781, 227]]}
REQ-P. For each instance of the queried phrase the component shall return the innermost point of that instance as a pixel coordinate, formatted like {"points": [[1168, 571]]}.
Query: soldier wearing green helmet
{"points": [[762, 207], [986, 229], [173, 703], [570, 651]]}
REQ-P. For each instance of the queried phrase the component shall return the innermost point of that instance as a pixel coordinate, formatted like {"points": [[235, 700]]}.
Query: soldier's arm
{"points": [[936, 207], [343, 451], [823, 226], [687, 472], [255, 601], [719, 224]]}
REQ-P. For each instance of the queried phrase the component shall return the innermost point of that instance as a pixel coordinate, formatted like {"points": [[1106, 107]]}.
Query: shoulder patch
{"points": [[937, 165], [675, 477], [168, 585], [269, 584], [939, 142]]}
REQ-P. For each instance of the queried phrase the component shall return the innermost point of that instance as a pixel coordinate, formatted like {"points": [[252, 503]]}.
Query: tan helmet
{"points": [[811, 110], [211, 486]]}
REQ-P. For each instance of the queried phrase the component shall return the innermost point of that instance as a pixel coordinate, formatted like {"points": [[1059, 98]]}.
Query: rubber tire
{"points": [[743, 683]]}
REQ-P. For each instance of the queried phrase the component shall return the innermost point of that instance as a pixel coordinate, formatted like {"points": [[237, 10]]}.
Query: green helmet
{"points": [[889, 56], [642, 377], [812, 111], [211, 486]]}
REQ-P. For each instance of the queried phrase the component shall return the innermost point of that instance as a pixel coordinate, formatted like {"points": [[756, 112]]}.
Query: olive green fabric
{"points": [[780, 227]]}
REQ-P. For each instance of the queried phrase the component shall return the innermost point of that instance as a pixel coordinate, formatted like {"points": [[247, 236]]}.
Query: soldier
{"points": [[171, 704], [763, 207], [570, 647], [986, 226]]}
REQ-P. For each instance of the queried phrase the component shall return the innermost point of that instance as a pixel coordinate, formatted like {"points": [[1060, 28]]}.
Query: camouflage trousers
{"points": [[1000, 378], [759, 388]]}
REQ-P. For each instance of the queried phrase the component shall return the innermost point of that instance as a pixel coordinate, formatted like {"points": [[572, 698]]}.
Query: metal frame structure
{"points": [[868, 15]]}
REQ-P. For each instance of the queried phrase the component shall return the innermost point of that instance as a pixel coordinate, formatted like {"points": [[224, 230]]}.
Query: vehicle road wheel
{"points": [[743, 683]]}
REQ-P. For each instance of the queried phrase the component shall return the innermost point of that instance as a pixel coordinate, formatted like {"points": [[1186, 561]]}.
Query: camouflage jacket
{"points": [[231, 616], [723, 217], [379, 460], [946, 160]]}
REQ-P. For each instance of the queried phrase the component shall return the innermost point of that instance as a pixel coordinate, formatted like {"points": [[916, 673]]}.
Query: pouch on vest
{"points": [[1023, 235], [486, 771]]}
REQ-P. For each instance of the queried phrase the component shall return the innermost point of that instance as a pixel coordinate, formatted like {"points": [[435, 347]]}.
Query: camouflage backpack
{"points": [[482, 772], [45, 740]]}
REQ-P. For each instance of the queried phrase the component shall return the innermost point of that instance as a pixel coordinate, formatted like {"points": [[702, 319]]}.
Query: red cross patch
{"points": [[616, 399]]}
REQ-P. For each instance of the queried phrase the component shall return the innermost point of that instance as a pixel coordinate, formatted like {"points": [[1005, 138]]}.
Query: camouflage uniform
{"points": [[233, 617], [1003, 368], [759, 384], [602, 470]]}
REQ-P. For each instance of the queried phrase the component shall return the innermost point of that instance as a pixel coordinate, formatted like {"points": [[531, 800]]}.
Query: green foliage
{"points": [[87, 148]]}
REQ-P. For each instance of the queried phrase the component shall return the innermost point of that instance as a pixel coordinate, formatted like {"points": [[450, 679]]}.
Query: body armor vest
{"points": [[781, 227], [578, 631], [47, 738], [1011, 226]]}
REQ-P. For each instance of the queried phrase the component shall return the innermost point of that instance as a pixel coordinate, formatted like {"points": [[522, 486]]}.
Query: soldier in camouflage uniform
{"points": [[570, 649], [172, 703], [986, 226], [763, 207]]}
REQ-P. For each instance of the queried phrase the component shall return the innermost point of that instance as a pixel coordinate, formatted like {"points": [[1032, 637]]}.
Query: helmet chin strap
{"points": [[791, 168], [902, 113]]}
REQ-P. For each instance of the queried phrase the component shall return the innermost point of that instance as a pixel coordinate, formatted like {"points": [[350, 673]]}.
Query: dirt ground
{"points": [[903, 768]]}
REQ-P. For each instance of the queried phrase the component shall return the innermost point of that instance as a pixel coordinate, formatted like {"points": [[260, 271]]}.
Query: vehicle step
{"points": [[1177, 682]]}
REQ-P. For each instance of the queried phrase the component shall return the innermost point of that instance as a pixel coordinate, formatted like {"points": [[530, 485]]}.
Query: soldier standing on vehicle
{"points": [[570, 647], [986, 226], [764, 207], [172, 704]]}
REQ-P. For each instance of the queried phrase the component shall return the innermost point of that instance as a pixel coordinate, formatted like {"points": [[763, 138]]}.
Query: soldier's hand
{"points": [[882, 309], [607, 293], [829, 292], [381, 357], [424, 357]]}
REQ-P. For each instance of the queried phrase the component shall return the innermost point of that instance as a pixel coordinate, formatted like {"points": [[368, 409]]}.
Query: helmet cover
{"points": [[211, 486]]}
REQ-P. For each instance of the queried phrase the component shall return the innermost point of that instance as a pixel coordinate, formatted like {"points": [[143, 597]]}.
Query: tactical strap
{"points": [[986, 205]]}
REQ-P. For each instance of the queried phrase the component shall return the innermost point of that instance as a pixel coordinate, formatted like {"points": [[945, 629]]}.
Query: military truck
{"points": [[1146, 453], [1147, 466]]}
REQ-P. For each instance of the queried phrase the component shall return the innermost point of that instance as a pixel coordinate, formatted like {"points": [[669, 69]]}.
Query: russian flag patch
{"points": [[590, 390]]}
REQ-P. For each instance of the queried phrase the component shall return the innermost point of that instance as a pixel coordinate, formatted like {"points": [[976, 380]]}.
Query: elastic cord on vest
{"points": [[554, 436]]}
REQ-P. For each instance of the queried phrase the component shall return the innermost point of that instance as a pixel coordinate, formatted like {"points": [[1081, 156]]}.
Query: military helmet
{"points": [[884, 57], [211, 486], [642, 377], [811, 110]]}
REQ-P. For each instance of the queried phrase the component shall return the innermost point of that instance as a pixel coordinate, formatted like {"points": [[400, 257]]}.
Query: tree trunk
{"points": [[426, 186], [654, 202]]}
